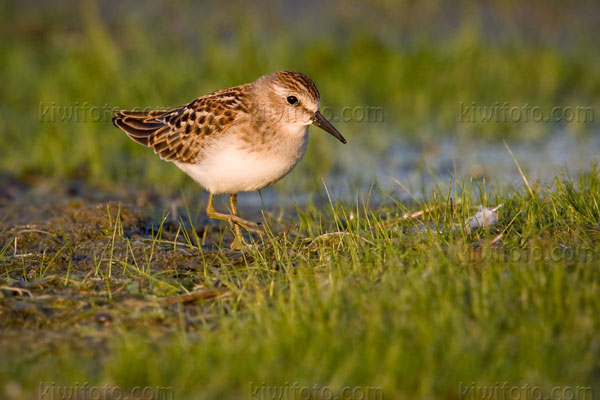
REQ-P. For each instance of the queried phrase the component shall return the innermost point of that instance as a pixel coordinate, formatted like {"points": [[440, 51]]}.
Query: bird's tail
{"points": [[140, 125]]}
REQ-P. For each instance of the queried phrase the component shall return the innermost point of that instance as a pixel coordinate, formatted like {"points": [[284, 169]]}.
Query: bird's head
{"points": [[292, 98]]}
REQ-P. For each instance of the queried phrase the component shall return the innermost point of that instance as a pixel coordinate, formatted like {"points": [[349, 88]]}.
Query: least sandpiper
{"points": [[235, 140]]}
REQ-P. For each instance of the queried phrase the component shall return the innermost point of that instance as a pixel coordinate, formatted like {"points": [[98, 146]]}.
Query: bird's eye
{"points": [[293, 100]]}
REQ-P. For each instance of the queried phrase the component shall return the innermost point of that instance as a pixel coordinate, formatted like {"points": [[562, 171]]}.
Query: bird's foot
{"points": [[236, 223], [250, 226]]}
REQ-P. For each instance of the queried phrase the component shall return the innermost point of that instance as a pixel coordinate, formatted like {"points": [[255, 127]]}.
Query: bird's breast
{"points": [[233, 165]]}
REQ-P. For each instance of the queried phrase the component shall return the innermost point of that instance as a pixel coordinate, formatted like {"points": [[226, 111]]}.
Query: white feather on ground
{"points": [[484, 218]]}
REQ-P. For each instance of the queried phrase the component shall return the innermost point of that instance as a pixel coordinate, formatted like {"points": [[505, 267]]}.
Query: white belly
{"points": [[230, 168]]}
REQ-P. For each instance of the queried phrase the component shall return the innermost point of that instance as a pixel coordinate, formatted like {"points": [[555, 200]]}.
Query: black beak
{"points": [[320, 121]]}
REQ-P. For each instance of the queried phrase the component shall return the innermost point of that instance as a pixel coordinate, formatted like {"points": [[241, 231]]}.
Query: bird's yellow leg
{"points": [[232, 218], [236, 227]]}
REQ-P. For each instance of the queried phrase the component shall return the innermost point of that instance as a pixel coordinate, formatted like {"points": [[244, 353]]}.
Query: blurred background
{"points": [[425, 67]]}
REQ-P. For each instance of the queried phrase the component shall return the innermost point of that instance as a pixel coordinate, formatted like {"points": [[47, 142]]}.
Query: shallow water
{"points": [[421, 167], [360, 171]]}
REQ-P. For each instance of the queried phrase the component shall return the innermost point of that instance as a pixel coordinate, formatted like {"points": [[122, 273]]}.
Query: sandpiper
{"points": [[235, 140]]}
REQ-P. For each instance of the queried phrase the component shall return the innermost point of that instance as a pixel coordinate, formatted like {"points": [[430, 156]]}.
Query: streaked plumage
{"points": [[238, 139]]}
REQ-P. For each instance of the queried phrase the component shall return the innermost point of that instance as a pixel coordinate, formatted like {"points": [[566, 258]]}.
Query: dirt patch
{"points": [[80, 265]]}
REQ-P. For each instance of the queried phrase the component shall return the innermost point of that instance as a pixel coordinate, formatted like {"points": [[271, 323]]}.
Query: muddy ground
{"points": [[76, 259]]}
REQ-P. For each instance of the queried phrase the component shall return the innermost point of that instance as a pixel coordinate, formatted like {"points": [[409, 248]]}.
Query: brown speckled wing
{"points": [[179, 134]]}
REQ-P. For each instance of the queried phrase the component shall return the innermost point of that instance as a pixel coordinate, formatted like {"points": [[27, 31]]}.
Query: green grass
{"points": [[413, 306]]}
